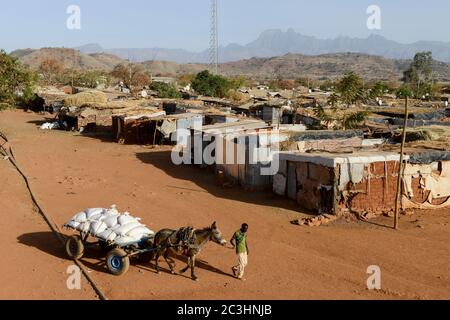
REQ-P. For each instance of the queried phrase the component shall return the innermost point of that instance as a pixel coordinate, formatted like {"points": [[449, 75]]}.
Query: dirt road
{"points": [[70, 172]]}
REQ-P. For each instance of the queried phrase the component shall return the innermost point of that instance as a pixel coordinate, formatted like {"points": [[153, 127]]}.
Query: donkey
{"points": [[167, 241]]}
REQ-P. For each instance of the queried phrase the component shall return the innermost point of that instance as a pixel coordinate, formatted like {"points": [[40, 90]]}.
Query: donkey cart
{"points": [[117, 256], [120, 237]]}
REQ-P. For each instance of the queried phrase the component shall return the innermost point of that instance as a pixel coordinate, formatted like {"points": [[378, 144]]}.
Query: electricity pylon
{"points": [[214, 39]]}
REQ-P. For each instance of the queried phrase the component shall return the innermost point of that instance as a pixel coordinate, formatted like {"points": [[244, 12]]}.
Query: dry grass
{"points": [[86, 98], [433, 137]]}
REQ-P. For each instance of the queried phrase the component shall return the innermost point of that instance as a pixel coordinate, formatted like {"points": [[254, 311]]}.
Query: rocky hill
{"points": [[276, 42], [69, 57], [292, 66]]}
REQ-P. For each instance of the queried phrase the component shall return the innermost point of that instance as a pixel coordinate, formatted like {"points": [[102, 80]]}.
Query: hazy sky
{"points": [[185, 24]]}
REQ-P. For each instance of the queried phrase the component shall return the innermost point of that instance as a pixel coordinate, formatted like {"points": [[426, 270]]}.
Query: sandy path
{"points": [[70, 173], [27, 273]]}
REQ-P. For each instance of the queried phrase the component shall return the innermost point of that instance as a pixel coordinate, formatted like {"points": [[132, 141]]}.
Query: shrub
{"points": [[16, 82], [165, 90], [211, 85]]}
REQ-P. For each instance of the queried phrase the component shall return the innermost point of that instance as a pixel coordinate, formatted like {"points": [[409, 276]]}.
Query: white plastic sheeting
{"points": [[111, 226], [437, 184], [50, 126]]}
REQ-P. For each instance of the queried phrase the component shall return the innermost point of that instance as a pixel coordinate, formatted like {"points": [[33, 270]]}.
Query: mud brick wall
{"points": [[376, 193], [315, 187]]}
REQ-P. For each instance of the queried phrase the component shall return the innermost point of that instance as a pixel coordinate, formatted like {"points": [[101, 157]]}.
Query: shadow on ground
{"points": [[95, 259], [206, 180]]}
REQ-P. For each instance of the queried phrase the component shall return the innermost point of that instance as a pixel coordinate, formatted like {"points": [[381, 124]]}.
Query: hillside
{"points": [[69, 57], [288, 66], [168, 68], [322, 66], [295, 66], [276, 42]]}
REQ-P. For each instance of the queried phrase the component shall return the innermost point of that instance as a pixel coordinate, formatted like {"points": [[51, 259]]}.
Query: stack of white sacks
{"points": [[111, 226]]}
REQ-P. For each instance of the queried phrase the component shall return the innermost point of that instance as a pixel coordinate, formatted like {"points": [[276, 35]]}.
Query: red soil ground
{"points": [[69, 172]]}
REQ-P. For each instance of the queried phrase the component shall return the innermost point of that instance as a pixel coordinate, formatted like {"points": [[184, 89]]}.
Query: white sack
{"points": [[139, 232], [111, 221], [97, 227], [123, 220], [113, 210], [73, 224], [107, 235], [84, 227], [80, 217], [92, 213], [124, 240], [124, 229]]}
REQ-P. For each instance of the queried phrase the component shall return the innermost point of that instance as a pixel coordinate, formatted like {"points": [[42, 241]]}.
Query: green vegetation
{"points": [[350, 89], [16, 82], [208, 84], [320, 113], [419, 76], [88, 79], [185, 79], [354, 120], [165, 90], [378, 90], [404, 91], [343, 121]]}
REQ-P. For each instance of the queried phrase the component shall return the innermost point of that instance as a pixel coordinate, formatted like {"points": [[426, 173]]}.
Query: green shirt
{"points": [[241, 242]]}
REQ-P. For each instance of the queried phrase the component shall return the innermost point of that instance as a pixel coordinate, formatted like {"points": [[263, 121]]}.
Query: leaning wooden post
{"points": [[398, 196], [154, 134]]}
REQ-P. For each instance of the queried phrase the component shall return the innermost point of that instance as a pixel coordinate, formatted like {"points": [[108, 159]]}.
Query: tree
{"points": [[304, 81], [185, 79], [404, 91], [350, 89], [420, 74], [165, 90], [16, 82], [274, 85], [133, 76], [333, 100], [88, 79], [51, 70], [286, 84], [354, 120], [345, 122], [378, 90], [239, 82], [211, 85]]}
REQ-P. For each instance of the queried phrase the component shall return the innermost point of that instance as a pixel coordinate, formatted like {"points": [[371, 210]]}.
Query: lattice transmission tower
{"points": [[214, 39]]}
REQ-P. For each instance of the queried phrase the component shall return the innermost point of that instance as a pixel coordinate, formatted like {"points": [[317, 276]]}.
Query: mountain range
{"points": [[272, 43], [289, 66], [275, 54]]}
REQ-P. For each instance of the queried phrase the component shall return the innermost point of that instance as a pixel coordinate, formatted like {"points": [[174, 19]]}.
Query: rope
{"points": [[53, 226]]}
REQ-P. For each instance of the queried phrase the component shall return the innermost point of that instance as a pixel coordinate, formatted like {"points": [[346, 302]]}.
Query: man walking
{"points": [[239, 241]]}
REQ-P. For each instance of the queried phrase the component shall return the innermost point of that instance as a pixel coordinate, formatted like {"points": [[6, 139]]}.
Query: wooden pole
{"points": [[400, 169], [154, 134]]}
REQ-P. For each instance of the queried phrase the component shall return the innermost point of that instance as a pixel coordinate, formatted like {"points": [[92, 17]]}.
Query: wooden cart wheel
{"points": [[75, 247], [117, 261]]}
